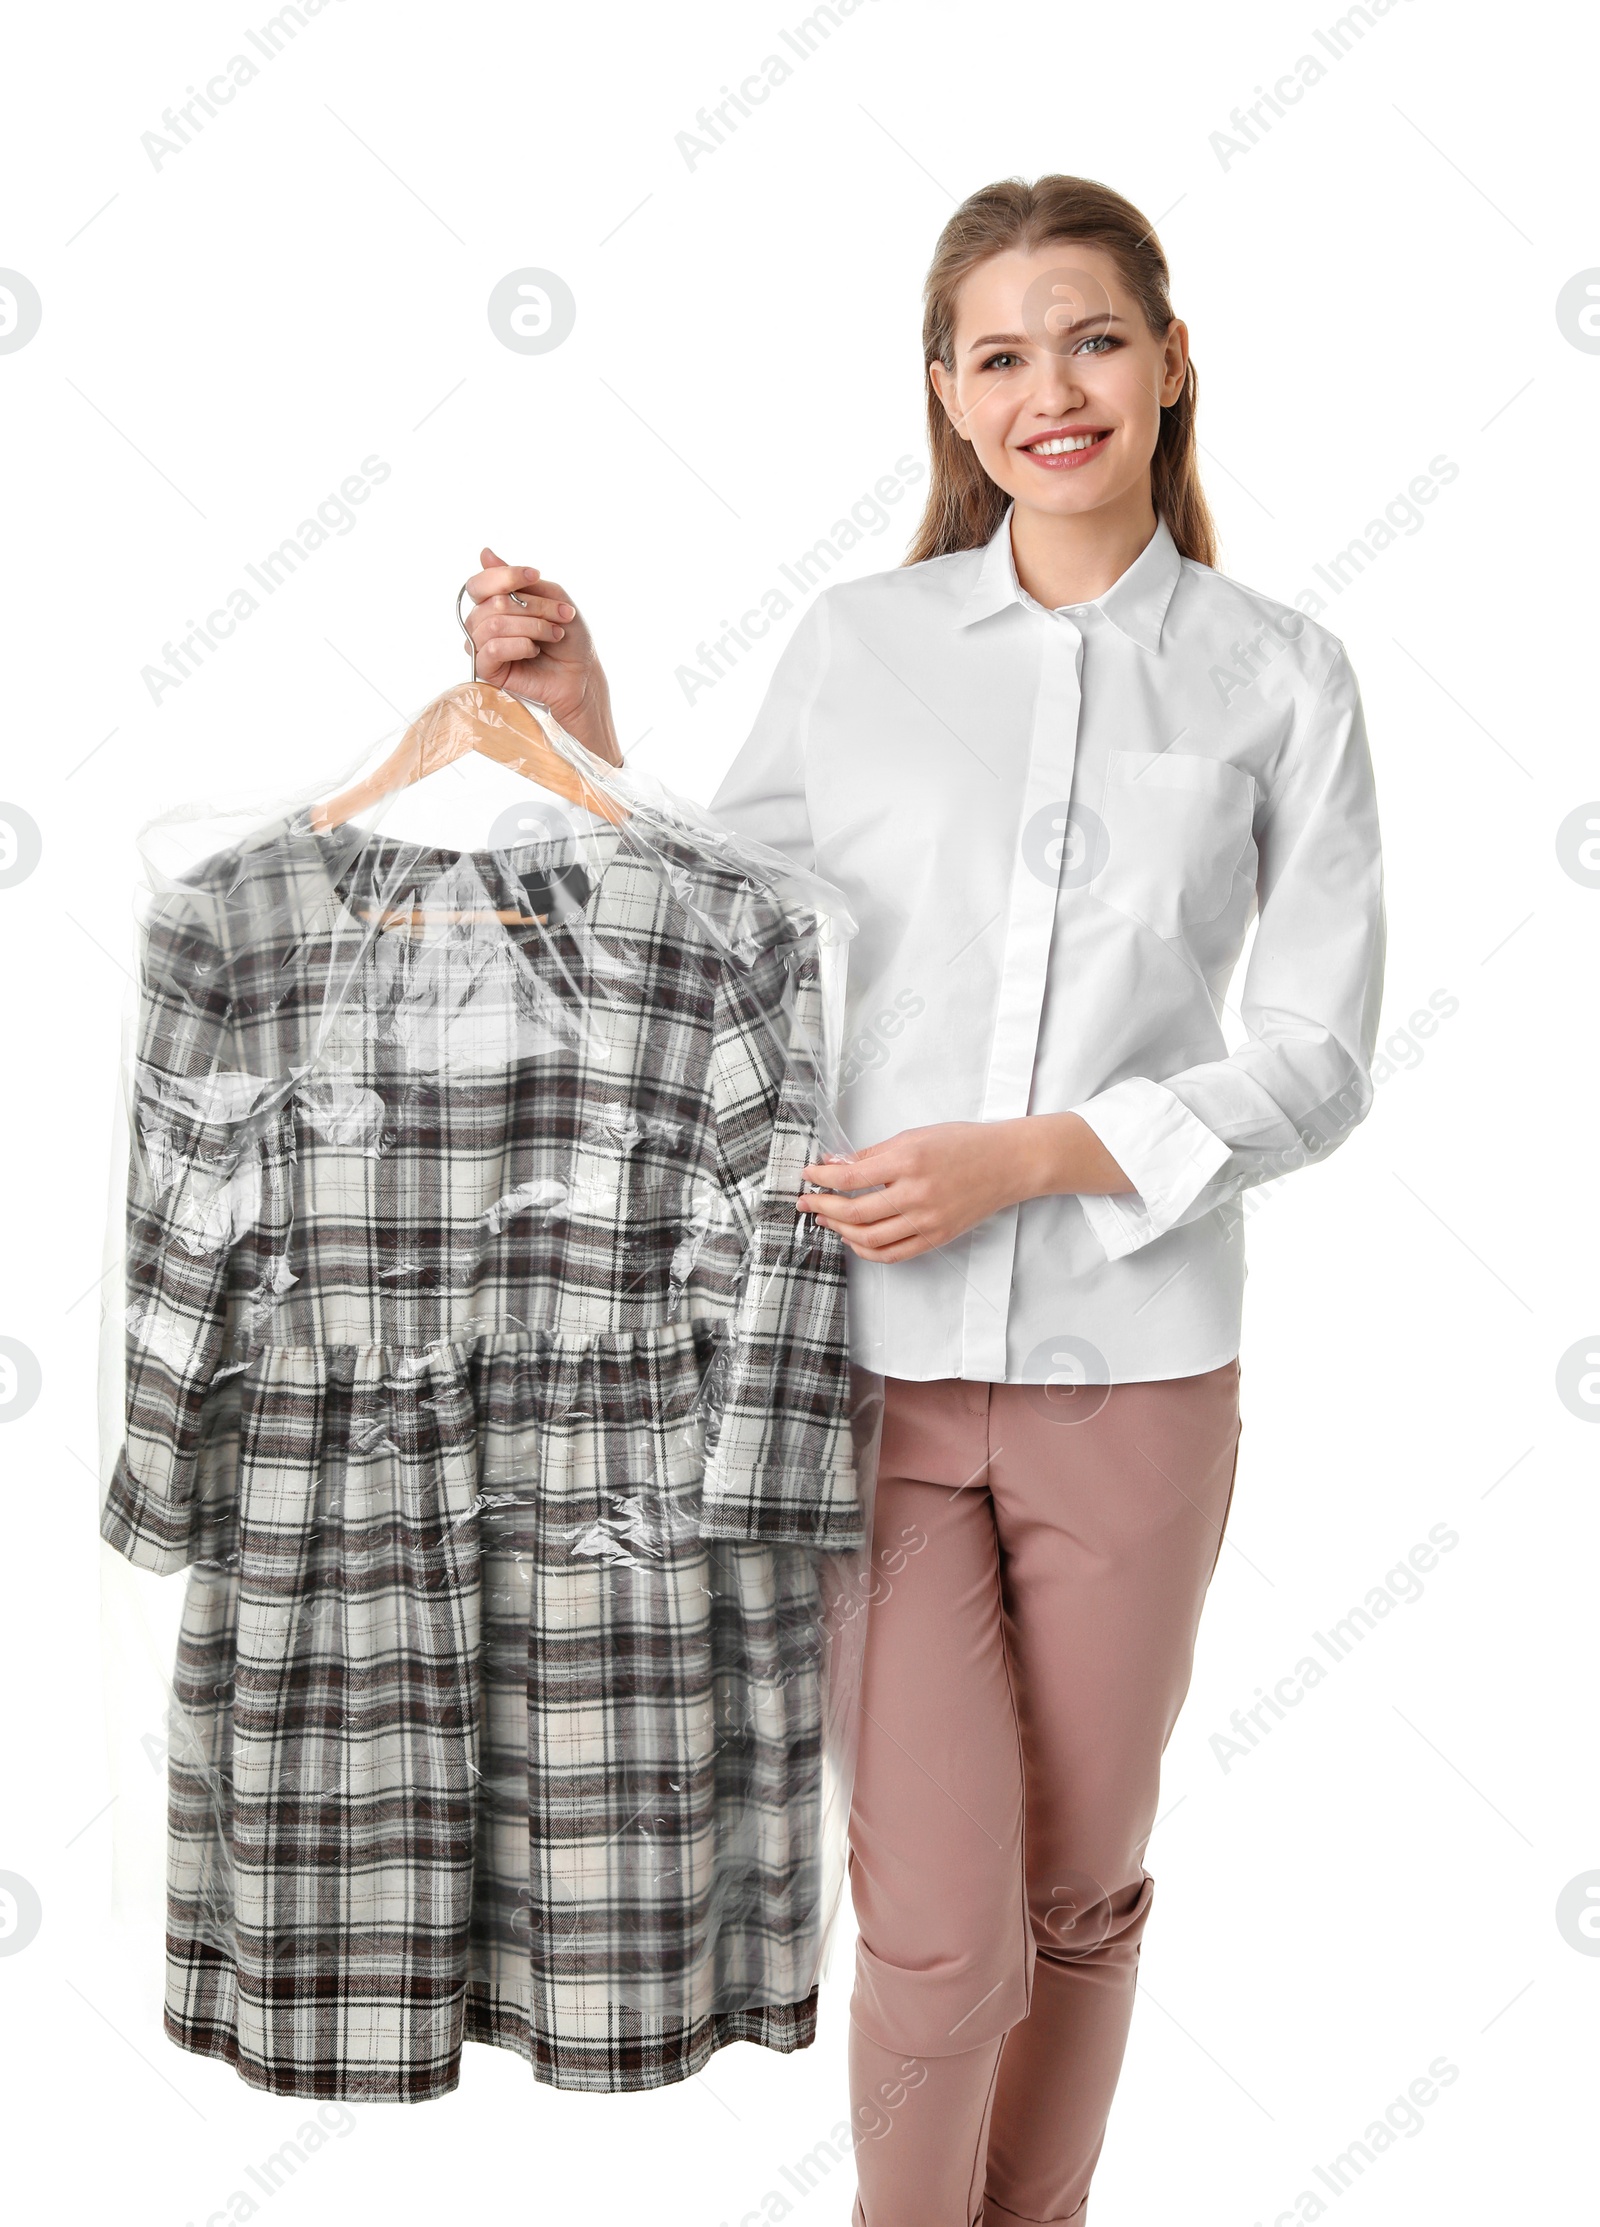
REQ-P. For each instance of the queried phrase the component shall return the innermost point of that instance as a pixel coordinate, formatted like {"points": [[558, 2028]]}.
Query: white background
{"points": [[227, 336]]}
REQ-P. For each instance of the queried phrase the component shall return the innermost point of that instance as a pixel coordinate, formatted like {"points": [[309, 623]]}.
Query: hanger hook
{"points": [[472, 647]]}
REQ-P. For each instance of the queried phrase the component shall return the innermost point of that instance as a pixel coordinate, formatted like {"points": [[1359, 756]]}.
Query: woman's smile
{"points": [[1068, 450]]}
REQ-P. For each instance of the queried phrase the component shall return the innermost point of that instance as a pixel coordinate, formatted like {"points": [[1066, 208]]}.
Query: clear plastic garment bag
{"points": [[469, 1357]]}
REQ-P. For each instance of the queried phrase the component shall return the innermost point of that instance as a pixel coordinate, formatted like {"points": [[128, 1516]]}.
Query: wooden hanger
{"points": [[497, 725]]}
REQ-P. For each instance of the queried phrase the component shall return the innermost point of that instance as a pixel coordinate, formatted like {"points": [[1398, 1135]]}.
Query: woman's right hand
{"points": [[531, 638]]}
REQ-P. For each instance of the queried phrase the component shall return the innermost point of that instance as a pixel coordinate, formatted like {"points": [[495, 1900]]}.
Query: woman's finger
{"points": [[507, 579], [846, 1175], [516, 579], [541, 606], [886, 1239], [513, 626], [507, 615], [872, 1206], [883, 1229], [856, 1170]]}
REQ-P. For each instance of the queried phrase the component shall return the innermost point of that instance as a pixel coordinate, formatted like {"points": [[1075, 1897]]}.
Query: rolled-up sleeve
{"points": [[1292, 1092]]}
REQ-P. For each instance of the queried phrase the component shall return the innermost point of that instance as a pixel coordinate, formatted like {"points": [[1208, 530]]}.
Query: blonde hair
{"points": [[964, 505]]}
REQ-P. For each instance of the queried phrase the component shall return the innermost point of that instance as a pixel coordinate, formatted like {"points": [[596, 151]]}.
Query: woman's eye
{"points": [[1005, 360]]}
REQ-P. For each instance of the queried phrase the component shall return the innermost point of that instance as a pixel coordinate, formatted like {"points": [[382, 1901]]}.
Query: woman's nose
{"points": [[1057, 394]]}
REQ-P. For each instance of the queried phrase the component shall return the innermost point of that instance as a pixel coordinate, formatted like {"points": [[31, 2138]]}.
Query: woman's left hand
{"points": [[931, 1184]]}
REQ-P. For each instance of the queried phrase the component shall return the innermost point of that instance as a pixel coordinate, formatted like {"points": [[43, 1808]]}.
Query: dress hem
{"points": [[624, 2063]]}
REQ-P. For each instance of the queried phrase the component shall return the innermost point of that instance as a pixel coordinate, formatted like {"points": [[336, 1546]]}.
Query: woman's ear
{"points": [[944, 386], [1175, 363]]}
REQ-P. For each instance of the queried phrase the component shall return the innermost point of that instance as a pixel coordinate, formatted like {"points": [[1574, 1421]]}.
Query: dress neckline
{"points": [[399, 869]]}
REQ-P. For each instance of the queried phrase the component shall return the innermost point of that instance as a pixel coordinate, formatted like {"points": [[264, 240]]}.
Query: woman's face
{"points": [[1059, 383]]}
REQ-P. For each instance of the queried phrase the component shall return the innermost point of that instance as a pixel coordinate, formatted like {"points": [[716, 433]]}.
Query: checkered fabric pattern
{"points": [[485, 1380]]}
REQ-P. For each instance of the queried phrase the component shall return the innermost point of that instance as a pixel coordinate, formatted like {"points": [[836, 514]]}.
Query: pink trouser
{"points": [[1041, 1559]]}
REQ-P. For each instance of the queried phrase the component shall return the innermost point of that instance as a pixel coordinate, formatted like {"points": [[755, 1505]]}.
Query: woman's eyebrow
{"points": [[1101, 317]]}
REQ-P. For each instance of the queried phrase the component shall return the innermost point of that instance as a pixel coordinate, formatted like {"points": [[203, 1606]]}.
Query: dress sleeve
{"points": [[1301, 1082], [194, 1182], [779, 1453]]}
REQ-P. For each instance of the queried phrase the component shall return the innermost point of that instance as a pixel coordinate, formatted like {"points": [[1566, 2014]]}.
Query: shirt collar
{"points": [[1137, 602]]}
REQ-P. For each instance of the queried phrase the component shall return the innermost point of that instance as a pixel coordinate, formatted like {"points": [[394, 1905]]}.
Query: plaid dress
{"points": [[483, 1377]]}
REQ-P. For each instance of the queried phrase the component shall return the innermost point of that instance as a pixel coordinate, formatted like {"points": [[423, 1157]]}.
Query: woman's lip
{"points": [[1072, 460]]}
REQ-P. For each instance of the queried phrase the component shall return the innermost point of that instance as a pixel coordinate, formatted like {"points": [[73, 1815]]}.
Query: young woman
{"points": [[1057, 764]]}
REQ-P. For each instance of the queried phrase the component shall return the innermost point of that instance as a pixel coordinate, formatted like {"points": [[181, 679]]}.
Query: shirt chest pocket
{"points": [[1177, 838]]}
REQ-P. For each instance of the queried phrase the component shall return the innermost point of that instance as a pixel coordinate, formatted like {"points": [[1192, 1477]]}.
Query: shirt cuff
{"points": [[1166, 1152], [152, 1531]]}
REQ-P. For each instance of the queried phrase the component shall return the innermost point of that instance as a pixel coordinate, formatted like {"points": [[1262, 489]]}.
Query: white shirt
{"points": [[1054, 829]]}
